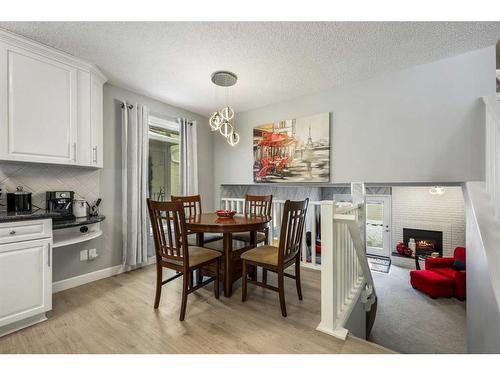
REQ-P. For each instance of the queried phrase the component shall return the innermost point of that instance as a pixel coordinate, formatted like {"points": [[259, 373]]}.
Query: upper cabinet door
{"points": [[84, 153], [39, 118], [96, 85]]}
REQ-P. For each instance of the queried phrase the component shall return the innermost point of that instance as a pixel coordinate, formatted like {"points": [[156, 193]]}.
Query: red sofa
{"points": [[440, 278]]}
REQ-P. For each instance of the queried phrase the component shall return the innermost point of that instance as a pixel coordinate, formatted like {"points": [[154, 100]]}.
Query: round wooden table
{"points": [[211, 223]]}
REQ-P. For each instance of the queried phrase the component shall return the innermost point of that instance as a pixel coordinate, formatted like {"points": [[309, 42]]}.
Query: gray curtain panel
{"points": [[188, 156], [135, 154]]}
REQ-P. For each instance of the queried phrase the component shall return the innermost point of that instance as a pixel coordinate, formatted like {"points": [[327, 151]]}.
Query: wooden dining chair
{"points": [[173, 251], [192, 207], [278, 259], [256, 205]]}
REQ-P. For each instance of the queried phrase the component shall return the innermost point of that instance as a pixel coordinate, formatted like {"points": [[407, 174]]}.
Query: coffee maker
{"points": [[61, 202]]}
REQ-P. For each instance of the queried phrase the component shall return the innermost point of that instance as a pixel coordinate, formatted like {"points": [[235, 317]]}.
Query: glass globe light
{"points": [[227, 113], [233, 139], [215, 121], [226, 129]]}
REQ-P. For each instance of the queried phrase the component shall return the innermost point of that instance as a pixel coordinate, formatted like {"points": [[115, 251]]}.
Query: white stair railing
{"points": [[310, 256], [345, 273], [236, 204]]}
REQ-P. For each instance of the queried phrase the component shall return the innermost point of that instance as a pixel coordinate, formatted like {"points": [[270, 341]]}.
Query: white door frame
{"points": [[386, 200]]}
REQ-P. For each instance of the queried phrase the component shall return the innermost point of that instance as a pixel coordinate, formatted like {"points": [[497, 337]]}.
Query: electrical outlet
{"points": [[93, 253], [84, 255]]}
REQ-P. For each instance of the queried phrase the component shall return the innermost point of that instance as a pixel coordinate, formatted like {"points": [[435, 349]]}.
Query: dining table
{"points": [[211, 223]]}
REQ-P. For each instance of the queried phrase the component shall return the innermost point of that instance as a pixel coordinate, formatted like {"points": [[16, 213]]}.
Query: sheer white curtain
{"points": [[135, 155], [188, 156]]}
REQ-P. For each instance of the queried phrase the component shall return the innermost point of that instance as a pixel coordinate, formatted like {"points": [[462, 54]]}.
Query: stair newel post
{"points": [[328, 267]]}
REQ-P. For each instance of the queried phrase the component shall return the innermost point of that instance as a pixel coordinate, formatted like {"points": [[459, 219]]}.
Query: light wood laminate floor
{"points": [[116, 315]]}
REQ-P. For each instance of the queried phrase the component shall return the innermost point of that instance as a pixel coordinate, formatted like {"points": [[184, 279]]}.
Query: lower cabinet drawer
{"points": [[25, 230]]}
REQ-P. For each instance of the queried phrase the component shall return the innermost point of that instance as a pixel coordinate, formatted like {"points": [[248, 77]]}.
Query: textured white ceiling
{"points": [[173, 61]]}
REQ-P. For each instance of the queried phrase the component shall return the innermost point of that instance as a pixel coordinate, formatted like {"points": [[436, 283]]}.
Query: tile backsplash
{"points": [[39, 178]]}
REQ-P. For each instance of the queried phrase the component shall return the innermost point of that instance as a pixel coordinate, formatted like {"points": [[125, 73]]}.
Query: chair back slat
{"points": [[258, 204], [169, 230], [292, 229], [191, 203]]}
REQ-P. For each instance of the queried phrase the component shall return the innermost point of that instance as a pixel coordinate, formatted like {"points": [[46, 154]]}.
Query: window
{"points": [[164, 164]]}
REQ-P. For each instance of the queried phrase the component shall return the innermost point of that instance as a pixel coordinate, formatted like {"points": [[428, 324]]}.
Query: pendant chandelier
{"points": [[222, 120]]}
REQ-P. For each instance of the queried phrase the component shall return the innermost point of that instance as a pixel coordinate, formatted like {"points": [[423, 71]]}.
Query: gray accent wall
{"points": [[298, 192], [295, 193], [420, 125], [111, 180]]}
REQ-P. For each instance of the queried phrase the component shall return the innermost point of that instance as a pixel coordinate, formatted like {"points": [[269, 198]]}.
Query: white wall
{"points": [[483, 272], [415, 207], [422, 124]]}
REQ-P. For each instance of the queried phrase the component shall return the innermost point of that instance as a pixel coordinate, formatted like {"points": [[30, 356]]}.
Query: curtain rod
{"points": [[166, 117], [129, 106]]}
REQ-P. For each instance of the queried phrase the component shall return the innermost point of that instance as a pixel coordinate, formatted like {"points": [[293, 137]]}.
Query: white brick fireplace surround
{"points": [[415, 207]]}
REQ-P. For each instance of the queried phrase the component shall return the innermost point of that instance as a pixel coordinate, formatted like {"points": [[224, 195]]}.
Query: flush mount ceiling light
{"points": [[224, 78], [437, 190], [221, 120]]}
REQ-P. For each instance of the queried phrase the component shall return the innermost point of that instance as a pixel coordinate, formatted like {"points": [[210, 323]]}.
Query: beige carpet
{"points": [[409, 321]]}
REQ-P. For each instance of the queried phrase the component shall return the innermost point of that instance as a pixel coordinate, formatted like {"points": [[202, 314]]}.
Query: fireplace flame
{"points": [[424, 244]]}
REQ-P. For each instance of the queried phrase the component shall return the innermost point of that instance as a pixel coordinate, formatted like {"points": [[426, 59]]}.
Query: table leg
{"points": [[253, 243], [227, 241], [253, 238], [200, 241]]}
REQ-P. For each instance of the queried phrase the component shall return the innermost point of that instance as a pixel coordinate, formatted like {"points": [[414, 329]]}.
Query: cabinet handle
{"points": [[94, 149], [48, 255], [74, 151], [12, 232]]}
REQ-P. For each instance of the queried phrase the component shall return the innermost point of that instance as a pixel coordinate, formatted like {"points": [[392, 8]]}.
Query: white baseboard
{"points": [[16, 326], [86, 278], [340, 333]]}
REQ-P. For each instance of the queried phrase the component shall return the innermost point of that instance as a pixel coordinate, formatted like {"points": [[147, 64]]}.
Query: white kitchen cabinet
{"points": [[83, 149], [96, 112], [40, 101], [50, 105], [25, 278], [20, 231]]}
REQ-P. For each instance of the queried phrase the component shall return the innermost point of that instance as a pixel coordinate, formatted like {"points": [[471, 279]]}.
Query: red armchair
{"points": [[440, 278], [443, 266]]}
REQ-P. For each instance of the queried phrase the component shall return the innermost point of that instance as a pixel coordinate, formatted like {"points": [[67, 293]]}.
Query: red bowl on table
{"points": [[225, 213]]}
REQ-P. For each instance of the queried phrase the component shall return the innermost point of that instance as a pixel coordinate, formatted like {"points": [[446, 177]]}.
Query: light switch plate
{"points": [[84, 255]]}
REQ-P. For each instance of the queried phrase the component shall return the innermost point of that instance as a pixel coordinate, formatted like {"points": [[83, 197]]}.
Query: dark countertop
{"points": [[6, 217], [60, 224]]}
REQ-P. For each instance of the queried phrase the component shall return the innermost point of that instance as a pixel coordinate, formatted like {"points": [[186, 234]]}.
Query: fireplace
{"points": [[427, 241]]}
